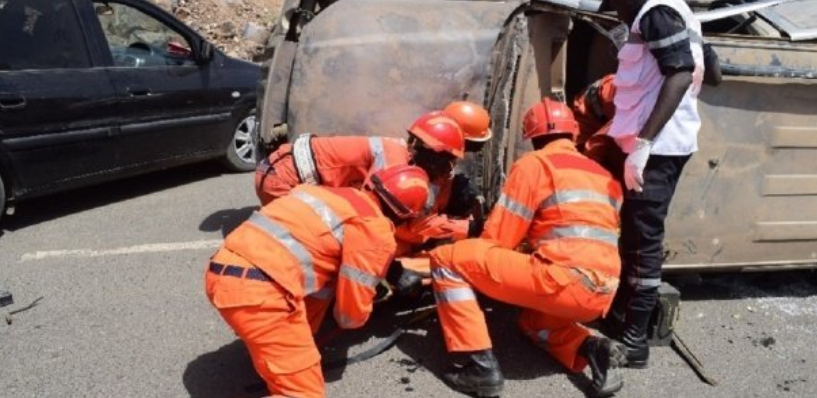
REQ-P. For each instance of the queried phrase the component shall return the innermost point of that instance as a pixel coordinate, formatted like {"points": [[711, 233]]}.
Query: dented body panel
{"points": [[746, 199]]}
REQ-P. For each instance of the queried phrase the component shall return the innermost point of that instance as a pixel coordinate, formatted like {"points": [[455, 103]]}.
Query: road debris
{"points": [[33, 304]]}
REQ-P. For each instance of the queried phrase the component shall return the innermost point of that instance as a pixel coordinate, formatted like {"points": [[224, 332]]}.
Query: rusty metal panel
{"points": [[374, 66], [749, 196], [790, 185]]}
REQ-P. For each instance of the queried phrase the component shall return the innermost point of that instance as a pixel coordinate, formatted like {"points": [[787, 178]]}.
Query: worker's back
{"points": [[313, 227], [564, 205]]}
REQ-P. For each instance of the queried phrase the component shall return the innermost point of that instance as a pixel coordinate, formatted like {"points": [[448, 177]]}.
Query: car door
{"points": [[57, 112], [167, 109], [747, 196]]}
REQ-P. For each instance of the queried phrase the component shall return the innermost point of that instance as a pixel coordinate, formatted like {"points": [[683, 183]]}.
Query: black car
{"points": [[96, 90]]}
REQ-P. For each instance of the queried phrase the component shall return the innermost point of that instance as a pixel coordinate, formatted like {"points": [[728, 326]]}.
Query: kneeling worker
{"points": [[315, 241], [565, 206]]}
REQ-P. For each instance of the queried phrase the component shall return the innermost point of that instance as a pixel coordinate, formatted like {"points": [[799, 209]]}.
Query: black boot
{"points": [[479, 376], [634, 338], [603, 358]]}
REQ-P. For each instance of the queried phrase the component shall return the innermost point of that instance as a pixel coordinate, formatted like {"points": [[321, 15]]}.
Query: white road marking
{"points": [[149, 248]]}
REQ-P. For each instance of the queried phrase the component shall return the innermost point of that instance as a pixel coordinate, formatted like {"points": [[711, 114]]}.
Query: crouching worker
{"points": [[315, 242], [565, 207]]}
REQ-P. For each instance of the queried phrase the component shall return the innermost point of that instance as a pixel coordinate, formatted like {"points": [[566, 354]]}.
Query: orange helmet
{"points": [[403, 188], [549, 117], [439, 132], [473, 120]]}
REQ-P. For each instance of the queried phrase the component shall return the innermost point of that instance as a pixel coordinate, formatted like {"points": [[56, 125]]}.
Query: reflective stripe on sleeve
{"points": [[328, 216], [440, 274], [325, 293], [455, 295], [583, 232], [376, 147], [668, 41], [358, 276], [645, 282], [575, 196], [304, 162], [515, 207], [283, 236]]}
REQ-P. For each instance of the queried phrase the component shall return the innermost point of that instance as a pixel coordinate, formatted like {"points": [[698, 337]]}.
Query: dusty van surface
{"points": [[747, 198]]}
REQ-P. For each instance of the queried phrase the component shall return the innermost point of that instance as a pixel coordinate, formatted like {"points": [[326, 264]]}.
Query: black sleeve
{"points": [[665, 32]]}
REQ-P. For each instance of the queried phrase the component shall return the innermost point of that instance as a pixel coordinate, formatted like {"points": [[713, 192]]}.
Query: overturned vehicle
{"points": [[746, 199]]}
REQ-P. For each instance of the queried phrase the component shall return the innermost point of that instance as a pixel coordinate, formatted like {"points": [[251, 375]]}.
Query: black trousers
{"points": [[642, 232]]}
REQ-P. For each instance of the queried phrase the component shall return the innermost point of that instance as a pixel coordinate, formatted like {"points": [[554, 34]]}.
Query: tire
{"points": [[240, 154]]}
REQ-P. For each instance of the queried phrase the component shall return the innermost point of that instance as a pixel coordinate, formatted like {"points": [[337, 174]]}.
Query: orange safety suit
{"points": [[566, 208], [327, 161], [275, 275], [435, 224], [594, 110]]}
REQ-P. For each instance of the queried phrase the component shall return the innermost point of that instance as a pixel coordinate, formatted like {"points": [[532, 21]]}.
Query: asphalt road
{"points": [[123, 313]]}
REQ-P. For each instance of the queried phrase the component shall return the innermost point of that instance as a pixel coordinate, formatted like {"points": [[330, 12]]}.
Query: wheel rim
{"points": [[242, 142]]}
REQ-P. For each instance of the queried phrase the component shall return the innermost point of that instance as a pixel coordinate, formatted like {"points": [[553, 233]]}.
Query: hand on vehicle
{"points": [[635, 163]]}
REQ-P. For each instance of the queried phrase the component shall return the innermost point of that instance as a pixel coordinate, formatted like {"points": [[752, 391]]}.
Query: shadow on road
{"points": [[35, 211], [226, 220], [736, 286], [227, 372]]}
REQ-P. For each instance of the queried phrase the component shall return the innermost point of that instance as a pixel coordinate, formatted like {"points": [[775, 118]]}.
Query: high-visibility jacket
{"points": [[317, 239], [565, 207], [327, 161], [639, 80], [435, 224], [594, 108]]}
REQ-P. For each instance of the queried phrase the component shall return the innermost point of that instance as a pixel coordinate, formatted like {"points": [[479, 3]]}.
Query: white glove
{"points": [[635, 163]]}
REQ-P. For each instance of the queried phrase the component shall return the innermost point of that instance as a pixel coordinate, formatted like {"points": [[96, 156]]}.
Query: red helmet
{"points": [[472, 119], [439, 132], [549, 117], [403, 188]]}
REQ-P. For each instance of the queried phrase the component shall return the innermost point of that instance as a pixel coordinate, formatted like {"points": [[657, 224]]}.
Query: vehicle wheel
{"points": [[240, 152]]}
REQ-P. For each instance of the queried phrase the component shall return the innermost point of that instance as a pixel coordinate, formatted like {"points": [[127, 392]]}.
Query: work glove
{"points": [[635, 163], [404, 282]]}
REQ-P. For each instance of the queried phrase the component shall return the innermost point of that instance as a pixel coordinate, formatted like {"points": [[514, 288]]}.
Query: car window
{"points": [[140, 40], [41, 34]]}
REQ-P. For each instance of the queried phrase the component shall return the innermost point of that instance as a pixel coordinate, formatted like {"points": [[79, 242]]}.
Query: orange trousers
{"points": [[274, 325], [553, 298]]}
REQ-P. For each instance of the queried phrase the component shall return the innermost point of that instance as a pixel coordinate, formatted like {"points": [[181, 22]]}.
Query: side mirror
{"points": [[205, 53]]}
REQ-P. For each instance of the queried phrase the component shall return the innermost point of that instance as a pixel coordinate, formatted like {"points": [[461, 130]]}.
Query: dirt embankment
{"points": [[237, 27]]}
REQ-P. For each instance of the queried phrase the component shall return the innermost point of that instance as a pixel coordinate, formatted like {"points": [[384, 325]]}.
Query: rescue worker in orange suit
{"points": [[315, 242], [327, 161], [594, 109], [453, 197], [660, 73], [565, 207]]}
